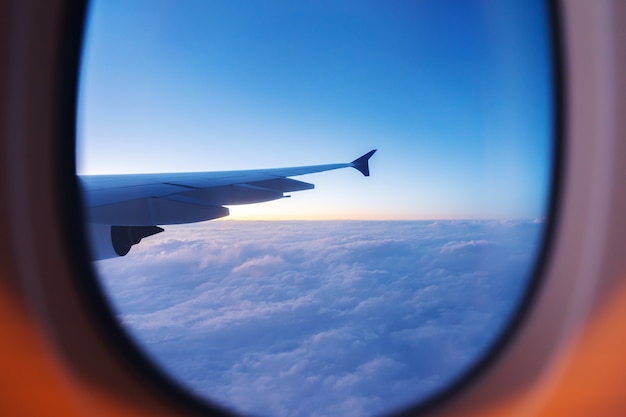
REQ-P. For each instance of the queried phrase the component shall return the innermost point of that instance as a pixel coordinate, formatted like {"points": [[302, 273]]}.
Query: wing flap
{"points": [[233, 195], [154, 211], [283, 184]]}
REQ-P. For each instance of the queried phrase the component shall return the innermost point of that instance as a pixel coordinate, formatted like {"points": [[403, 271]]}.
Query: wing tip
{"points": [[362, 163]]}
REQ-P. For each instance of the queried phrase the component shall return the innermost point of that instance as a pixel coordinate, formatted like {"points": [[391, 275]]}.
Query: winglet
{"points": [[362, 163]]}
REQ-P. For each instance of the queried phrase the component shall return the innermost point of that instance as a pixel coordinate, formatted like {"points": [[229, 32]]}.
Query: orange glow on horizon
{"points": [[268, 212]]}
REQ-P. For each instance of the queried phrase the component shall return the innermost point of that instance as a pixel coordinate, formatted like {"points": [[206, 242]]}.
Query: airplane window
{"points": [[384, 285]]}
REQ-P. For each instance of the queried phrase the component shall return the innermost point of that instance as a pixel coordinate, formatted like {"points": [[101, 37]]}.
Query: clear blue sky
{"points": [[455, 95]]}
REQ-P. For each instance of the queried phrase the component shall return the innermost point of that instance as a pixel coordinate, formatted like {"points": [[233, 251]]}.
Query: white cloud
{"points": [[267, 264], [453, 246], [323, 318]]}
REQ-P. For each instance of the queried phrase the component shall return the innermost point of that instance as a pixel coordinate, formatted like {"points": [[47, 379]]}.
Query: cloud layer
{"points": [[321, 318]]}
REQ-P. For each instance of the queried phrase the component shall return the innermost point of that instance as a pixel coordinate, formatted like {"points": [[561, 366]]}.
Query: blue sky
{"points": [[455, 95]]}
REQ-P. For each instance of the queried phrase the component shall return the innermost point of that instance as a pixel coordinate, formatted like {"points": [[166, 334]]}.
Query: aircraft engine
{"points": [[110, 241]]}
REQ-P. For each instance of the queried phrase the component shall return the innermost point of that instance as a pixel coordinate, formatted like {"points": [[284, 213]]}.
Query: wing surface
{"points": [[160, 199]]}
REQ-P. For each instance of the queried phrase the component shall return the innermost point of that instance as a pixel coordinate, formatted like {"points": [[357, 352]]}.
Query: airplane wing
{"points": [[123, 209]]}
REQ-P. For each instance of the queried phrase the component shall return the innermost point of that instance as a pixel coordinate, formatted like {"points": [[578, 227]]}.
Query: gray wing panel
{"points": [[100, 197], [109, 189]]}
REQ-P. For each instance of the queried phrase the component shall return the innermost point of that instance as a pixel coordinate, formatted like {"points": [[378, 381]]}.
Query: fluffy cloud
{"points": [[321, 318]]}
